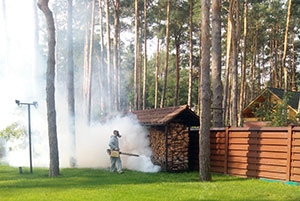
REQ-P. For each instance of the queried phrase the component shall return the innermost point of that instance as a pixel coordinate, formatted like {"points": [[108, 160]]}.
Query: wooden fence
{"points": [[266, 152]]}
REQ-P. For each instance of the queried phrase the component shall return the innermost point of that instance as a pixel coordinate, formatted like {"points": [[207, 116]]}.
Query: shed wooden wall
{"points": [[267, 152]]}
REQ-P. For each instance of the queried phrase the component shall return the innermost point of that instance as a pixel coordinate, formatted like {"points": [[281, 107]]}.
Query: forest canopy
{"points": [[124, 60]]}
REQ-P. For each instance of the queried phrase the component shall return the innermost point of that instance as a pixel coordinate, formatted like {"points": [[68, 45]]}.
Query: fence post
{"points": [[226, 150], [289, 152]]}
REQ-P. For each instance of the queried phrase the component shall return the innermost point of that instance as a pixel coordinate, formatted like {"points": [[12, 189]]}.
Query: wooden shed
{"points": [[170, 141]]}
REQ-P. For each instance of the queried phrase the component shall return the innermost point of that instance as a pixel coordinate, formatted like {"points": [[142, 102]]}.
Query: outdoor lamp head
{"points": [[35, 103], [17, 102]]}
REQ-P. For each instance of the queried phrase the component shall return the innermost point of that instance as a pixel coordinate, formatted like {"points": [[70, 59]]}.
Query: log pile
{"points": [[178, 143], [176, 152], [158, 146]]}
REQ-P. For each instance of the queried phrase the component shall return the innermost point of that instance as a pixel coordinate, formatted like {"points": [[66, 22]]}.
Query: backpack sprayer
{"points": [[114, 153]]}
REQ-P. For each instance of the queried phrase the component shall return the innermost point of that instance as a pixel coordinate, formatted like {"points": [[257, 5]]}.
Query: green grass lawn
{"points": [[99, 184]]}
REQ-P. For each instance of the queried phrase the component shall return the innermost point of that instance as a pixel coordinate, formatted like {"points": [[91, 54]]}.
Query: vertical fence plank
{"points": [[226, 150], [289, 152]]}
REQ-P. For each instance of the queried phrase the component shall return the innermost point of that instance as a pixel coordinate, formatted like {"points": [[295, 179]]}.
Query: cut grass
{"points": [[99, 184]]}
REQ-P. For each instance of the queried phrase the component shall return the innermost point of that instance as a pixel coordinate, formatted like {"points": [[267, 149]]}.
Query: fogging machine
{"points": [[114, 153]]}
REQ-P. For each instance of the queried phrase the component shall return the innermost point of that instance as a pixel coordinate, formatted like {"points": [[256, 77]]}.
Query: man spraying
{"points": [[115, 160]]}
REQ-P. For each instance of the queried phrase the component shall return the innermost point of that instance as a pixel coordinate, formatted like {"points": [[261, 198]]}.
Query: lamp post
{"points": [[35, 104]]}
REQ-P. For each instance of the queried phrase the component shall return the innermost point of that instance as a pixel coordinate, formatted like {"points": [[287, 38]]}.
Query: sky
{"points": [[17, 82]]}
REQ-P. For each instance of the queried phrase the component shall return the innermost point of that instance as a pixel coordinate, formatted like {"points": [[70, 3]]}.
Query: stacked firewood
{"points": [[178, 143], [158, 146], [177, 147]]}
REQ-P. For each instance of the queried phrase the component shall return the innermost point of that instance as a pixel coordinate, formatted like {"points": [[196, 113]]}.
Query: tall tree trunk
{"points": [[271, 60], [253, 67], [276, 49], [116, 72], [285, 44], [227, 83], [176, 94], [90, 65], [204, 131], [119, 71], [136, 58], [165, 75], [145, 56], [190, 89], [216, 64], [102, 71], [86, 68], [157, 65], [199, 73], [227, 64], [108, 48], [244, 59], [50, 90], [119, 65], [292, 63], [234, 93], [70, 85]]}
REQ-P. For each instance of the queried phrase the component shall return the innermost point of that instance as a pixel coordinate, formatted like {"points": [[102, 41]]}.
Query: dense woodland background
{"points": [[261, 50], [131, 55]]}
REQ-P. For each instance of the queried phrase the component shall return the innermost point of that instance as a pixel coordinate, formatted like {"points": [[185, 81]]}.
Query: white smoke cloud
{"points": [[91, 144]]}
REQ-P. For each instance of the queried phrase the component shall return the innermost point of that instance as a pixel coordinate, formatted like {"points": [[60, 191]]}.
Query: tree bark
{"points": [[50, 90], [205, 105], [190, 89], [157, 65], [92, 28], [234, 72], [285, 44], [145, 56], [116, 72], [108, 48], [292, 63], [244, 59], [70, 85], [176, 93], [227, 64], [86, 68], [216, 64], [165, 75], [102, 71], [136, 58]]}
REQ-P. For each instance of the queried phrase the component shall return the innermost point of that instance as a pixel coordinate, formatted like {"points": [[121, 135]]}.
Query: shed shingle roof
{"points": [[162, 116]]}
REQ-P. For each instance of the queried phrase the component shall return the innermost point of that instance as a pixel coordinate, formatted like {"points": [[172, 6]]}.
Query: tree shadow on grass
{"points": [[226, 178]]}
